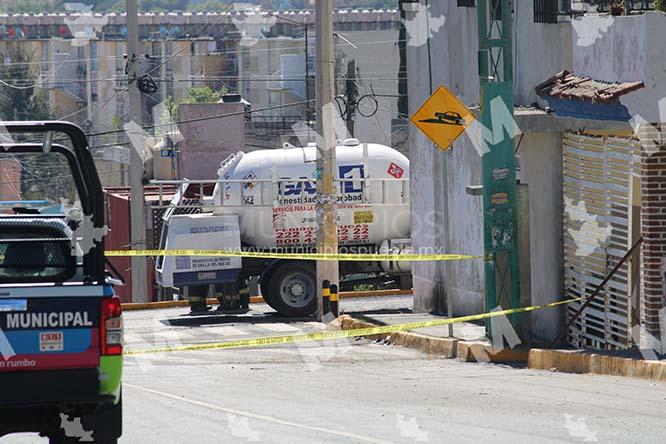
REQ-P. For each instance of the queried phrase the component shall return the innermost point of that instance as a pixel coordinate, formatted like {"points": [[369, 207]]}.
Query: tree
{"points": [[660, 5], [20, 98], [204, 94], [24, 6]]}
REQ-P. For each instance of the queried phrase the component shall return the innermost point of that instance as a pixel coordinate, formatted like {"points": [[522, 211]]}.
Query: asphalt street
{"points": [[356, 391]]}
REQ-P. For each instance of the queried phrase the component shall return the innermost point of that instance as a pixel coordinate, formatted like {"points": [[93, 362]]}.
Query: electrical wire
{"points": [[226, 8], [2, 82]]}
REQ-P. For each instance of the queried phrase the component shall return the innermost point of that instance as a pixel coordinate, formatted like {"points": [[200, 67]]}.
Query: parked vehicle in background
{"points": [[265, 201]]}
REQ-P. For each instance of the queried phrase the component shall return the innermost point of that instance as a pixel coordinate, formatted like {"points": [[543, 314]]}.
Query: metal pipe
{"points": [[597, 290]]}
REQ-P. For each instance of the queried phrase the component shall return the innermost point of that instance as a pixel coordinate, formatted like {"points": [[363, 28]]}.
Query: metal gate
{"points": [[601, 194]]}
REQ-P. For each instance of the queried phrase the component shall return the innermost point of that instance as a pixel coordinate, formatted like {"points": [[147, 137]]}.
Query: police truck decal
{"points": [[51, 334]]}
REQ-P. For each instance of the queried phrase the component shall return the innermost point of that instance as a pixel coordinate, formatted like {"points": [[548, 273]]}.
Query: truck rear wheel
{"points": [[292, 288]]}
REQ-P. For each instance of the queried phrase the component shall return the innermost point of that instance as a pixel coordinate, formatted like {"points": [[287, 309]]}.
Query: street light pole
{"points": [[327, 237]]}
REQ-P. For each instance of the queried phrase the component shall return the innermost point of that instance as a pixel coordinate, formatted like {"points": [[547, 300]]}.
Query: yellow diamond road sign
{"points": [[443, 118]]}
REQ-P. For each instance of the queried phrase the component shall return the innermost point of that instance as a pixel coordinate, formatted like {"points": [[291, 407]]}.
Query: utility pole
{"points": [[502, 274], [308, 106], [136, 168], [327, 236]]}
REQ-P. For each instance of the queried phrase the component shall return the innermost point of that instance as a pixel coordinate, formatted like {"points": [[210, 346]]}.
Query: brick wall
{"points": [[653, 228]]}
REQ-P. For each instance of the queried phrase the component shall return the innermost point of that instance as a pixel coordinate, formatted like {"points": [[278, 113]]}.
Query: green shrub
{"points": [[660, 5]]}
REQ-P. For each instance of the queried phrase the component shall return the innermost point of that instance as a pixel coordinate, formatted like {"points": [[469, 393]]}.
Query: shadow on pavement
{"points": [[217, 319]]}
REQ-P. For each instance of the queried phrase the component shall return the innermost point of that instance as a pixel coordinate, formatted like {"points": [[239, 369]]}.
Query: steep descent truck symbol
{"points": [[447, 118]]}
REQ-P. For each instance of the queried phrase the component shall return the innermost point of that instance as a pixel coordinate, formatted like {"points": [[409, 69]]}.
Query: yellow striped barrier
{"points": [[296, 256], [327, 335]]}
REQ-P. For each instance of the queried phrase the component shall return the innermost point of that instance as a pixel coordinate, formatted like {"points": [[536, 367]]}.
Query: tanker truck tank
{"points": [[273, 192], [267, 199]]}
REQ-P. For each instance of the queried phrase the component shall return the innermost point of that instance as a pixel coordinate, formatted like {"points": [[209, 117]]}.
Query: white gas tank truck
{"points": [[265, 201]]}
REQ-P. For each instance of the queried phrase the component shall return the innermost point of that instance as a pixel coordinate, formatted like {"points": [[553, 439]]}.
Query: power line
{"points": [[180, 39], [54, 84], [201, 119], [2, 82], [226, 8]]}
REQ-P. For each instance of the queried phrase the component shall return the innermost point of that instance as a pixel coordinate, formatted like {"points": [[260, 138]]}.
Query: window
{"points": [[44, 57], [545, 11], [36, 179], [468, 3], [24, 261]]}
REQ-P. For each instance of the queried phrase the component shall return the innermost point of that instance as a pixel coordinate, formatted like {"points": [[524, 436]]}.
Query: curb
{"points": [[469, 351], [133, 306], [577, 361], [566, 361]]}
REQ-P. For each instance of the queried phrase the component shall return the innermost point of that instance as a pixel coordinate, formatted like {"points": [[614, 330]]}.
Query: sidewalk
{"points": [[470, 344], [465, 331]]}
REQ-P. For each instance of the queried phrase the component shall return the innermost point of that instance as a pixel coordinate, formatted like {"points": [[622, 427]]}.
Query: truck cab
{"points": [[60, 322]]}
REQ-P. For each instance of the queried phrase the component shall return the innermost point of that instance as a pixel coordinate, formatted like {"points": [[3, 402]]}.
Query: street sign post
{"points": [[443, 118]]}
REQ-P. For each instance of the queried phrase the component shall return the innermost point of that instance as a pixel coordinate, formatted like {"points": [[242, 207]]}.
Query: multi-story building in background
{"points": [[79, 60]]}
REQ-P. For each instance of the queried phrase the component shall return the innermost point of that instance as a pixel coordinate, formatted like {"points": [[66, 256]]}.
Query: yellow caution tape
{"points": [[296, 256], [326, 335]]}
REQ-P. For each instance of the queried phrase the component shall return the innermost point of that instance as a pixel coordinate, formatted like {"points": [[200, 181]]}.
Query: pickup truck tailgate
{"points": [[48, 333]]}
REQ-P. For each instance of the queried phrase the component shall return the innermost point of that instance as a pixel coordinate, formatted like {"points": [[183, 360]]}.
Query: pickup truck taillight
{"points": [[111, 327]]}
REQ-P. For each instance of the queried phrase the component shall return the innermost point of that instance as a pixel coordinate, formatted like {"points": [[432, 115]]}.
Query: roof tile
{"points": [[565, 85]]}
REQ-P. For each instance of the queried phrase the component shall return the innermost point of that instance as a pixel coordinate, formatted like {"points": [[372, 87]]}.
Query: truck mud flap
{"points": [[62, 386]]}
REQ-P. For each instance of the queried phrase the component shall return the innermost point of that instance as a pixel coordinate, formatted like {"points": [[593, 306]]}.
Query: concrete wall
{"points": [[625, 49], [451, 47], [541, 50], [541, 168], [607, 48]]}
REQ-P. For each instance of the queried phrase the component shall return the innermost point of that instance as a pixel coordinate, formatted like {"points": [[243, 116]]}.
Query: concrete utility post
{"points": [[327, 236], [136, 169], [502, 273]]}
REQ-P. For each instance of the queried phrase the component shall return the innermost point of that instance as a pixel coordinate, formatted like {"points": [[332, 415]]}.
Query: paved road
{"points": [[356, 391]]}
